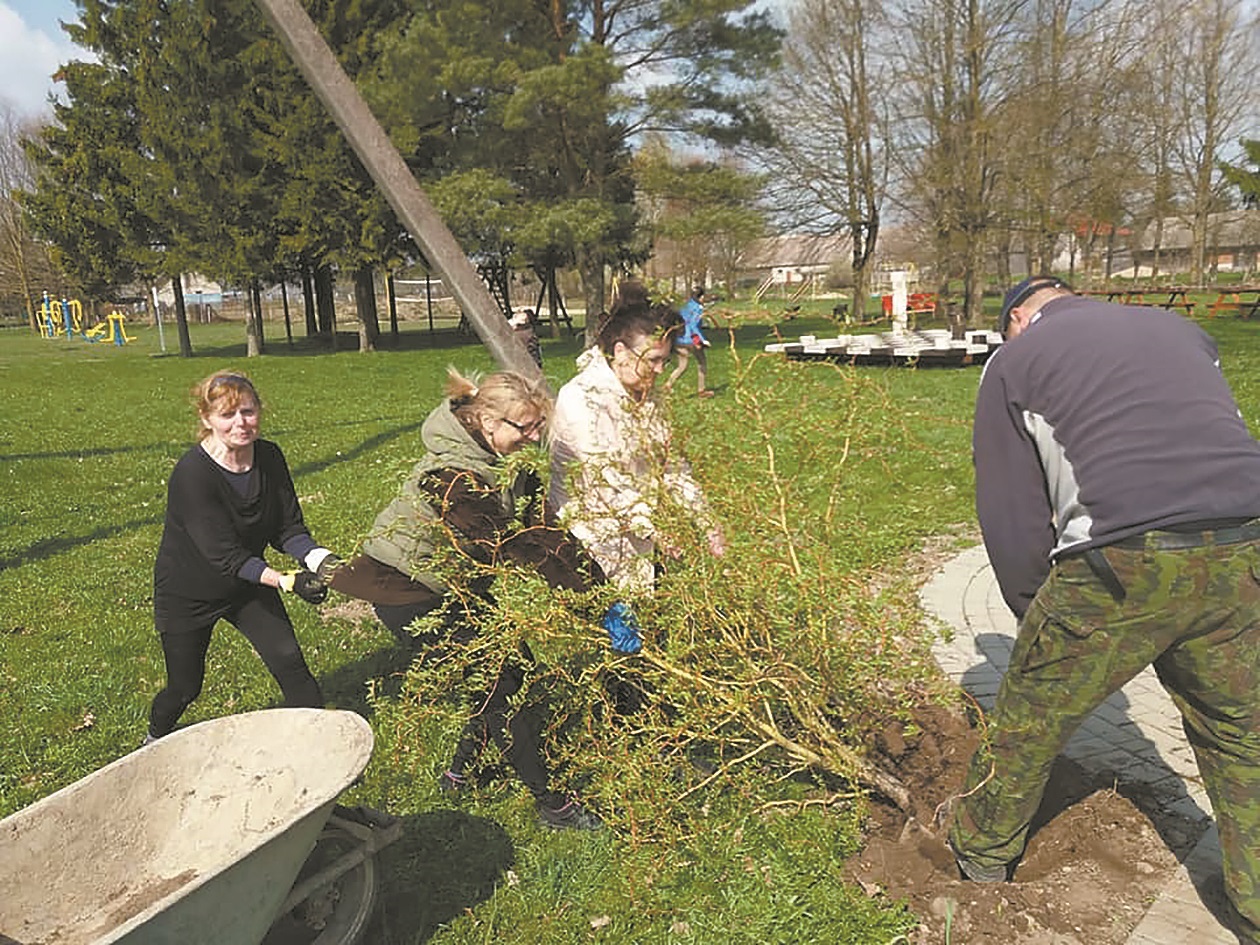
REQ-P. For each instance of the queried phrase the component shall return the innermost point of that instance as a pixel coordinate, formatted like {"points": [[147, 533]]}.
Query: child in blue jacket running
{"points": [[691, 341]]}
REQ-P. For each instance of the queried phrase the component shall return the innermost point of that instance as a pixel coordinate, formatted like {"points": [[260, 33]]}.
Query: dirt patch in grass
{"points": [[1096, 860]]}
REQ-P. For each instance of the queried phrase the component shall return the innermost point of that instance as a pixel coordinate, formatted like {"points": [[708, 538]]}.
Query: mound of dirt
{"points": [[1096, 860]]}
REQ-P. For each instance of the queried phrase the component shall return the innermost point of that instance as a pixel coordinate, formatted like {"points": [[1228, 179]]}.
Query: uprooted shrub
{"points": [[785, 657]]}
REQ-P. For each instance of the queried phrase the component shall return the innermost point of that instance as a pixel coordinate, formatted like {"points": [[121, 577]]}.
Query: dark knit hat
{"points": [[1021, 292]]}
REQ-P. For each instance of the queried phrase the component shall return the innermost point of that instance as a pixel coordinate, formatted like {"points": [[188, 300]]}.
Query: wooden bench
{"points": [[921, 303], [1233, 302], [1177, 300], [1173, 299]]}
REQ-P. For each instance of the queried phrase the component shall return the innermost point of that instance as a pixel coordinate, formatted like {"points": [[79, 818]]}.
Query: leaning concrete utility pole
{"points": [[368, 139]]}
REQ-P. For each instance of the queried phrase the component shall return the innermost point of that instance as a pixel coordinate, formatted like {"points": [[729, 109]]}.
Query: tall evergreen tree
{"points": [[217, 157], [1247, 180], [96, 193], [551, 95]]}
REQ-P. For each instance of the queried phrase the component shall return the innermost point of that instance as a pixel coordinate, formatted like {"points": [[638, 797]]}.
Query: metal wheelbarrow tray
{"points": [[196, 838]]}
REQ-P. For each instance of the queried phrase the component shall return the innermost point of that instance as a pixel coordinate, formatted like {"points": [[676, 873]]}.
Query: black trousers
{"points": [[184, 627], [517, 733]]}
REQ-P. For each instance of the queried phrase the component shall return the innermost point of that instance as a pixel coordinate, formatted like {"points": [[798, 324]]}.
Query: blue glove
{"points": [[623, 629]]}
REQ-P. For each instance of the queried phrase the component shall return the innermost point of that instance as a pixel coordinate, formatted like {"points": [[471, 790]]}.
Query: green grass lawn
{"points": [[870, 462]]}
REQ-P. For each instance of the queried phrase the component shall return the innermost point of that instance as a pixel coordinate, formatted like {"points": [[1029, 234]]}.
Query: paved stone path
{"points": [[1136, 736]]}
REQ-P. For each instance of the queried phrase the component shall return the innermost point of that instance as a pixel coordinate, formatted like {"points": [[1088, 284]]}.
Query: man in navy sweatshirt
{"points": [[1118, 489]]}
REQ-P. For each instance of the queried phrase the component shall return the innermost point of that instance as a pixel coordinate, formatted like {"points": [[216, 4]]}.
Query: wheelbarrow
{"points": [[198, 839]]}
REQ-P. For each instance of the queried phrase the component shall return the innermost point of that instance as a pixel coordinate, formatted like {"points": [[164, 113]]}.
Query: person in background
{"points": [[457, 496], [229, 497], [1118, 489], [522, 322], [613, 461], [691, 341]]}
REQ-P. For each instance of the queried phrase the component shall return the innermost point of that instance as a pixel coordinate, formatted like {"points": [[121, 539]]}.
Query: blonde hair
{"points": [[496, 396], [221, 391]]}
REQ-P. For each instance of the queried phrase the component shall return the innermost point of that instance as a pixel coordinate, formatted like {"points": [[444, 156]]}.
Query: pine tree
{"points": [[193, 144], [550, 96]]}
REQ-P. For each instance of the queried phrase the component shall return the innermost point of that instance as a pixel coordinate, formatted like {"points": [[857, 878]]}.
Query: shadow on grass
{"points": [[347, 686], [48, 547], [412, 339], [347, 456], [445, 863], [88, 453]]}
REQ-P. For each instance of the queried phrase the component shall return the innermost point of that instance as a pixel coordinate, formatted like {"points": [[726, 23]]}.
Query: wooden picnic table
{"points": [[1173, 298], [1243, 300]]}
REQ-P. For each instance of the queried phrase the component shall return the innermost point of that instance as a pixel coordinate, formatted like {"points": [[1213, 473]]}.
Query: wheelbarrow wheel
{"points": [[339, 912]]}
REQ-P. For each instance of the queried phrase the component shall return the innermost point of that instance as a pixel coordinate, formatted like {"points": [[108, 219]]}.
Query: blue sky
{"points": [[32, 46]]}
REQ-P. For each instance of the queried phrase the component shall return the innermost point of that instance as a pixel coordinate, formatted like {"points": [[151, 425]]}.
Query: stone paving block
{"points": [[1112, 713], [1181, 916], [1143, 771], [1192, 806], [1170, 742], [1100, 725], [998, 652], [1102, 758], [1085, 740], [1168, 726]]}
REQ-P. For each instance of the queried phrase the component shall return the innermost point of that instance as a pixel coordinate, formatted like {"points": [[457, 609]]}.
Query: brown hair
{"points": [[630, 294], [221, 391], [495, 397], [636, 321]]}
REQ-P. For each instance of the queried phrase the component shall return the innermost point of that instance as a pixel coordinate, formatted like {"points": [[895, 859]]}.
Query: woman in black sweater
{"points": [[228, 498]]}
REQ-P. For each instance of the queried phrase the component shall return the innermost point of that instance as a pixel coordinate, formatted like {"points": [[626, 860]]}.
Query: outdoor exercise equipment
{"points": [[198, 838], [59, 317], [113, 329]]}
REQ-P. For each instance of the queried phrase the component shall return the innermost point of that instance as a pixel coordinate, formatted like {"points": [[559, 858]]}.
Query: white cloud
{"points": [[28, 59]]}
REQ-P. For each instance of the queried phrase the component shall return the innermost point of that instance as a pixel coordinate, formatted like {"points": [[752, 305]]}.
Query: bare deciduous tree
{"points": [[954, 72], [829, 165], [1073, 130], [1214, 61], [25, 265]]}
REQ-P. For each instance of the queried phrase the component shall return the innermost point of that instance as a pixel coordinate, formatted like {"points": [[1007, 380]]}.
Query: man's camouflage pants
{"points": [[1195, 614]]}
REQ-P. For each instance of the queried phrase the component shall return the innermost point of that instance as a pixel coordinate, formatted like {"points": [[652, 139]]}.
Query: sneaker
{"points": [[569, 816], [149, 739], [451, 783], [706, 393], [977, 873]]}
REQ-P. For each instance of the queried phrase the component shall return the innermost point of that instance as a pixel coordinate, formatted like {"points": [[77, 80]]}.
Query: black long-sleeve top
{"points": [[213, 532]]}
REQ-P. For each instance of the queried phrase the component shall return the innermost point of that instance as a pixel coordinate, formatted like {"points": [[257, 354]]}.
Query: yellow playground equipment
{"points": [[60, 317], [112, 329], [63, 318]]}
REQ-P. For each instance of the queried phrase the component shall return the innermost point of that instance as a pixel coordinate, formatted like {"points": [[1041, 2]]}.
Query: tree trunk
{"points": [[288, 322], [324, 305], [591, 269], [973, 288], [181, 318], [555, 304], [365, 304], [254, 341], [308, 302], [253, 338], [393, 307]]}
